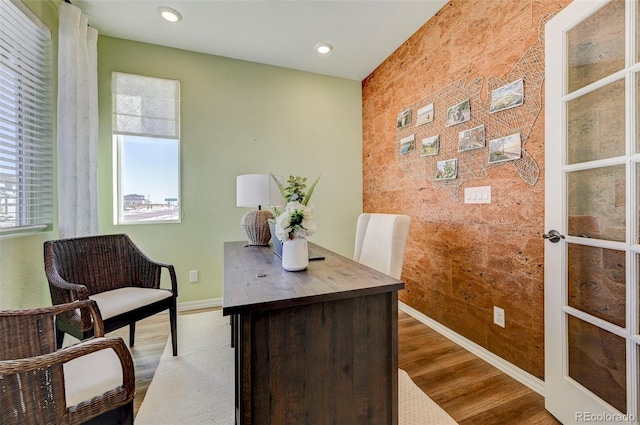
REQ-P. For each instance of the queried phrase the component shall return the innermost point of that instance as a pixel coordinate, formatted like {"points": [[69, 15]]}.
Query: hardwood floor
{"points": [[468, 388]]}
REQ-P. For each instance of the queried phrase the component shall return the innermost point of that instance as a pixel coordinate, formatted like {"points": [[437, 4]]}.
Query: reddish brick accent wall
{"points": [[463, 259]]}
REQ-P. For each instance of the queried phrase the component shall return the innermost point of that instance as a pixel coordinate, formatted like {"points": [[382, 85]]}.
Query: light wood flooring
{"points": [[468, 388], [471, 390]]}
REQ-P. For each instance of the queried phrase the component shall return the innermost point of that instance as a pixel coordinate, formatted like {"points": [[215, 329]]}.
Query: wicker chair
{"points": [[111, 270], [92, 382]]}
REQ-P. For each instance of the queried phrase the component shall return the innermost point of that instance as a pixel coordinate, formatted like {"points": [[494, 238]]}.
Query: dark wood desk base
{"points": [[326, 363]]}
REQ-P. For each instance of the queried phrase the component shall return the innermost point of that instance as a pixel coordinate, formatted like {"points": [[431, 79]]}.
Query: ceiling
{"points": [[281, 33]]}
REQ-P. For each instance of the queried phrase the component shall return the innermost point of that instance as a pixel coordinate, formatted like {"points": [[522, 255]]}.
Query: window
{"points": [[146, 140], [26, 160]]}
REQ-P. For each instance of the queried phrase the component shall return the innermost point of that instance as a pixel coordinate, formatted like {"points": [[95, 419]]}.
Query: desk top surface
{"points": [[254, 279]]}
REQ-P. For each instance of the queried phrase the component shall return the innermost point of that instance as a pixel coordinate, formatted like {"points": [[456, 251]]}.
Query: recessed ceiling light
{"points": [[169, 14], [324, 48]]}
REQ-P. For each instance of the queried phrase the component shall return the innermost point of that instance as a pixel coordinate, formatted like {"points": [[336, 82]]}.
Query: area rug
{"points": [[415, 407], [197, 386]]}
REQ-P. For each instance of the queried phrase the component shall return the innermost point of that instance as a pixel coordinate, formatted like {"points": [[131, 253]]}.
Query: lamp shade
{"points": [[255, 190]]}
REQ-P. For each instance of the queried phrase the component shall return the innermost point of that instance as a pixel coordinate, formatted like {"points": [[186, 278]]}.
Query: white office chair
{"points": [[381, 240]]}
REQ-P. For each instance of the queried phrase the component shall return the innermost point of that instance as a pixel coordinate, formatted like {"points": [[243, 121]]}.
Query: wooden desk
{"points": [[319, 346]]}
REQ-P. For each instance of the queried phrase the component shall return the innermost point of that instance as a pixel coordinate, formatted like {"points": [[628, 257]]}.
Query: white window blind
{"points": [[145, 106], [26, 161]]}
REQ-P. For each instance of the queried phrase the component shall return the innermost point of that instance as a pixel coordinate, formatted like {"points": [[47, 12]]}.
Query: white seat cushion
{"points": [[118, 301], [91, 375]]}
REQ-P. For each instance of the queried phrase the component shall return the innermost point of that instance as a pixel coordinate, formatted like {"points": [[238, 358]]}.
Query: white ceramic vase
{"points": [[295, 254]]}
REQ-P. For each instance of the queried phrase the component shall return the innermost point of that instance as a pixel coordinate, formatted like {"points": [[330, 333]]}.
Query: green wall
{"points": [[22, 280], [237, 117]]}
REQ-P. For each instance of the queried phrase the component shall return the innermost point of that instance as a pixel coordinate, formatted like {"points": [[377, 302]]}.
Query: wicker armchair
{"points": [[92, 382], [112, 271]]}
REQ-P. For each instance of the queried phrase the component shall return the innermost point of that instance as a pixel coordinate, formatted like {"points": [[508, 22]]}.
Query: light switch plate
{"points": [[477, 195]]}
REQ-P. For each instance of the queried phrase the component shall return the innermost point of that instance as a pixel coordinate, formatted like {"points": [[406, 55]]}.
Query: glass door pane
{"points": [[637, 87], [597, 282], [596, 46], [637, 214], [597, 360], [597, 203], [596, 124]]}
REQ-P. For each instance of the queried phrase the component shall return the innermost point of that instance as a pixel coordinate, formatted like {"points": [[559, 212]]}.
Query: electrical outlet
{"points": [[498, 316], [193, 276]]}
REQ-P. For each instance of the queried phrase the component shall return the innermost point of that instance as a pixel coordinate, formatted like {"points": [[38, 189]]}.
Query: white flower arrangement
{"points": [[296, 220]]}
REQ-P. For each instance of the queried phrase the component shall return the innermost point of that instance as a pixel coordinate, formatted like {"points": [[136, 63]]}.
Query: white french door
{"points": [[592, 207]]}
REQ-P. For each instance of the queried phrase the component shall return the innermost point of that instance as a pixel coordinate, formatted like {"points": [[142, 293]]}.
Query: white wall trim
{"points": [[196, 305], [515, 372]]}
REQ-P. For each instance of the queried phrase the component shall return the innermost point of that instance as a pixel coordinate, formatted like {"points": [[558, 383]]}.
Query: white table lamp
{"points": [[257, 190]]}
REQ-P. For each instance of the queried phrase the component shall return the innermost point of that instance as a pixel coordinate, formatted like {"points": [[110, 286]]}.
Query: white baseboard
{"points": [[196, 305], [515, 372]]}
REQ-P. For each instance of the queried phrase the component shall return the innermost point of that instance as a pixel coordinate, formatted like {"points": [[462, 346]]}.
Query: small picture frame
{"points": [[425, 115], [430, 146], [447, 169], [508, 148], [471, 139], [507, 96], [404, 119], [458, 114], [408, 144]]}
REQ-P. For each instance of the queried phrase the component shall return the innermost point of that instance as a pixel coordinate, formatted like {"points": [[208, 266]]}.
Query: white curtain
{"points": [[77, 124]]}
